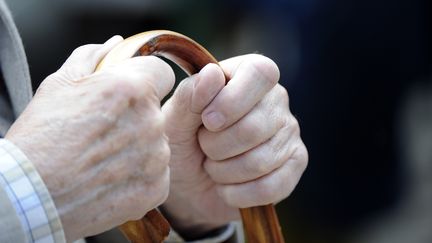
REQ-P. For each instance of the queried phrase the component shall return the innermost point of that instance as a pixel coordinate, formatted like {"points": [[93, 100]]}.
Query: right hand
{"points": [[98, 140]]}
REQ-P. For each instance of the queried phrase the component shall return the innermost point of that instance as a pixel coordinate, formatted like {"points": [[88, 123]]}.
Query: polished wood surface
{"points": [[260, 223], [152, 228]]}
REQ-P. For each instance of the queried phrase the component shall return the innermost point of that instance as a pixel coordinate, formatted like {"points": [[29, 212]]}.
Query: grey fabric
{"points": [[17, 85], [6, 114], [13, 62]]}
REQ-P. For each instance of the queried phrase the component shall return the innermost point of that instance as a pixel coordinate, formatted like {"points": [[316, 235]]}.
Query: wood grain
{"points": [[260, 223]]}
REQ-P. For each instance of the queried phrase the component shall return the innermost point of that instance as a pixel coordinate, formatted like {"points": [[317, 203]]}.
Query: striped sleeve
{"points": [[29, 196]]}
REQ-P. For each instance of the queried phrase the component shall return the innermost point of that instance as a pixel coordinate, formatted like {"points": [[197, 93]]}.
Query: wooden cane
{"points": [[261, 224]]}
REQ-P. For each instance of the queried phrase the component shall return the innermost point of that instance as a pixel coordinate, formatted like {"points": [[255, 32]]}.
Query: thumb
{"points": [[183, 110]]}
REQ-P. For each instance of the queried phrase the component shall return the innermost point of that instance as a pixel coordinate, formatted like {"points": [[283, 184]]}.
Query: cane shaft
{"points": [[260, 223]]}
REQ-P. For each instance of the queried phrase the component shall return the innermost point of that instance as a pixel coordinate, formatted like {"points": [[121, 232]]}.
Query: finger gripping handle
{"points": [[260, 223]]}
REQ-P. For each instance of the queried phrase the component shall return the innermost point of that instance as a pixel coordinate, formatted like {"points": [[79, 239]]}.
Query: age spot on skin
{"points": [[132, 102]]}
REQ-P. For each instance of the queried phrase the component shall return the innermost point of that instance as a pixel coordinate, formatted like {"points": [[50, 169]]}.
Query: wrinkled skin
{"points": [[247, 153], [98, 139]]}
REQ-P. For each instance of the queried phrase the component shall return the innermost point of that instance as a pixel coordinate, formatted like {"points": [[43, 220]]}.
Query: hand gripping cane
{"points": [[260, 223]]}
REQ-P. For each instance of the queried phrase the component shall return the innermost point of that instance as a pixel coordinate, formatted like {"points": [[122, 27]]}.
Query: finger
{"points": [[142, 76], [259, 125], [208, 84], [271, 188], [84, 59], [257, 162], [192, 95], [251, 77]]}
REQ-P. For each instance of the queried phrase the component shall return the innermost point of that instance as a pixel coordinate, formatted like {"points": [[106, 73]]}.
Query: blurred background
{"points": [[359, 75]]}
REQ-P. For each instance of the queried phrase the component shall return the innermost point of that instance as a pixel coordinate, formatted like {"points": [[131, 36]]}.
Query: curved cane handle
{"points": [[260, 223]]}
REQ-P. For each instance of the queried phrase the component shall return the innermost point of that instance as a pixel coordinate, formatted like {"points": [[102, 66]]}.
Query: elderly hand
{"points": [[97, 139], [248, 153]]}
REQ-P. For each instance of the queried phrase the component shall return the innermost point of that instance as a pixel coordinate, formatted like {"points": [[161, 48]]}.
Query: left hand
{"points": [[248, 153]]}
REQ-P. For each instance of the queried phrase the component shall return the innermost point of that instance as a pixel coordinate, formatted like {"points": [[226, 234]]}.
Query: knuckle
{"points": [[275, 105], [164, 67], [150, 127], [257, 167], [156, 69], [266, 191], [282, 94], [157, 124], [158, 160], [228, 99], [159, 189], [46, 84], [249, 132], [85, 49], [150, 194], [265, 67], [127, 78], [151, 84], [165, 154], [119, 87], [146, 60], [123, 74], [302, 157], [295, 125], [137, 201], [292, 125], [59, 78]]}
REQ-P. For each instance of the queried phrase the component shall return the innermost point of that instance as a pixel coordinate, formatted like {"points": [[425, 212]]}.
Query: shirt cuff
{"points": [[29, 196], [222, 235]]}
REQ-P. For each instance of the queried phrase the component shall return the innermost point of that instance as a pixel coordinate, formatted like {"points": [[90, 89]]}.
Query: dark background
{"points": [[347, 65]]}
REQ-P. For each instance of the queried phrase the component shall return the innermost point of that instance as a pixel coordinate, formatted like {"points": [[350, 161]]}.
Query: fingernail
{"points": [[214, 120]]}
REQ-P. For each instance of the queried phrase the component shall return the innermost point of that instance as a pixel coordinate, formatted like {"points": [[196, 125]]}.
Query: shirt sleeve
{"points": [[36, 210], [29, 196]]}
